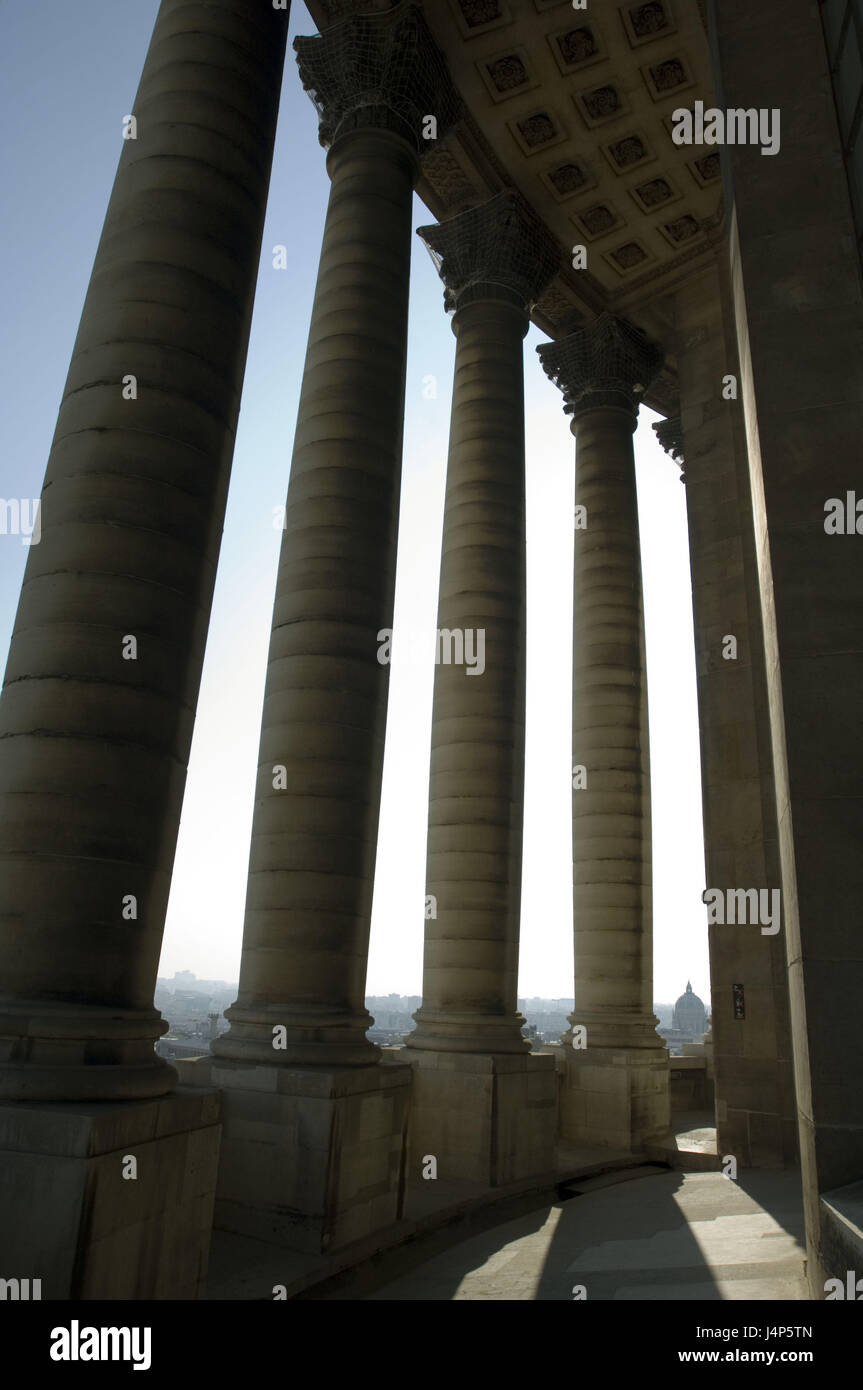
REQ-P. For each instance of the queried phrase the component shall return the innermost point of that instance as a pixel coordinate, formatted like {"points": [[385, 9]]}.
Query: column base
{"points": [[313, 1158], [313, 1037], [71, 1219], [614, 1097], [622, 1030], [80, 1052], [488, 1118], [448, 1031]]}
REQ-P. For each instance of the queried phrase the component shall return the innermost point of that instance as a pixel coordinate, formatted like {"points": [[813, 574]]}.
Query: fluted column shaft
{"points": [[494, 260], [611, 841], [95, 736], [477, 763], [603, 371], [311, 867]]}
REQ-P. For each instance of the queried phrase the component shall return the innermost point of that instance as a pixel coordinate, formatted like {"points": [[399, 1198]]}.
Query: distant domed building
{"points": [[690, 1015]]}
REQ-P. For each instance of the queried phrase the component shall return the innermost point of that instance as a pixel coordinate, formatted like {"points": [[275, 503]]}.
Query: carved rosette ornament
{"points": [[499, 248], [382, 70], [608, 364]]}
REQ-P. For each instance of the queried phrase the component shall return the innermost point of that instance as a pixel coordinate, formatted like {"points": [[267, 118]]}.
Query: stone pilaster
{"points": [[798, 311], [752, 1045], [105, 661], [615, 1065], [374, 78], [480, 1105]]}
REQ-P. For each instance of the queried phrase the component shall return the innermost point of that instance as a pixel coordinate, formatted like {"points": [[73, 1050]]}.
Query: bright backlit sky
{"points": [[68, 75]]}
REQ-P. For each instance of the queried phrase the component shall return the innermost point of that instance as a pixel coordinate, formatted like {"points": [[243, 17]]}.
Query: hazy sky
{"points": [[68, 75]]}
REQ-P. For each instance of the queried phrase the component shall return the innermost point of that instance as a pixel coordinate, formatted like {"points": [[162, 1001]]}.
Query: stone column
{"points": [[298, 1026], [616, 1066], [751, 1047], [104, 667], [480, 1106], [105, 662]]}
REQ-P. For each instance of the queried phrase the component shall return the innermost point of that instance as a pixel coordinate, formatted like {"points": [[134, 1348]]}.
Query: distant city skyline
{"points": [[566, 1001], [194, 1010]]}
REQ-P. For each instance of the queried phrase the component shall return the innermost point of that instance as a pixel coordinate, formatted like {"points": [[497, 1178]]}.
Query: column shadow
{"points": [[679, 1236], [669, 1236]]}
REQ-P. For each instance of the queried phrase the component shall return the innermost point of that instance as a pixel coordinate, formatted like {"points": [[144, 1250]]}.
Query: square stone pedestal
{"points": [[484, 1118], [618, 1099], [313, 1158], [73, 1215]]}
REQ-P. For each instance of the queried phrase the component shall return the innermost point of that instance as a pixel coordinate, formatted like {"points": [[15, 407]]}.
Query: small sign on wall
{"points": [[739, 1002]]}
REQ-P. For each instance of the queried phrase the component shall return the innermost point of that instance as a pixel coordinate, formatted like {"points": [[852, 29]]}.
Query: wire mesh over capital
{"points": [[501, 242], [609, 362], [386, 62]]}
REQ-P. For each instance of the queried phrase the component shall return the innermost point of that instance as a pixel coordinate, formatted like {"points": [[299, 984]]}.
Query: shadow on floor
{"points": [[668, 1236]]}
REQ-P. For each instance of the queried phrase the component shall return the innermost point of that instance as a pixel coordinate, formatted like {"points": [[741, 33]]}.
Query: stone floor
{"points": [[620, 1226], [667, 1236]]}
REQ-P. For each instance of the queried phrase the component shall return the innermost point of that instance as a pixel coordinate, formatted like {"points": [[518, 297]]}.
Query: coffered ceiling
{"points": [[573, 108]]}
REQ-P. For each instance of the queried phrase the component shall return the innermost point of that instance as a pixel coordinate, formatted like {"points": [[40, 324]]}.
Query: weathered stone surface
{"points": [[476, 790], [69, 1217], [798, 309], [484, 1118], [754, 1089], [314, 835], [603, 370], [312, 1158]]}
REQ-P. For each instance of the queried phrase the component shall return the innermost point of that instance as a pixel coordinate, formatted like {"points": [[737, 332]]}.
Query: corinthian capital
{"points": [[669, 432], [500, 245], [380, 69], [608, 363]]}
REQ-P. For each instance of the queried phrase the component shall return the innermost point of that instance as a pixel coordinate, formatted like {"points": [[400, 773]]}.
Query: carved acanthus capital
{"points": [[500, 245], [669, 432], [381, 69], [608, 363]]}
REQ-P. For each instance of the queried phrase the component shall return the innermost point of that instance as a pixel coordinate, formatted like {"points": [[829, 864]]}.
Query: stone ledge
{"points": [[687, 1063], [842, 1230], [497, 1063], [320, 1083]]}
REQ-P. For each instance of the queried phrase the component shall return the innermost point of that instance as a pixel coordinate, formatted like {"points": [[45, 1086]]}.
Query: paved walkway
{"points": [[669, 1236]]}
